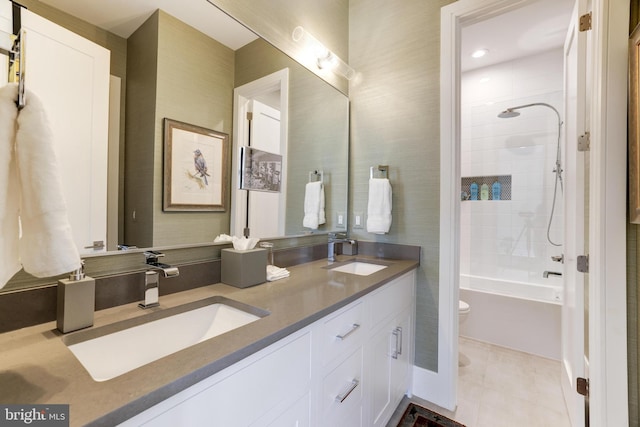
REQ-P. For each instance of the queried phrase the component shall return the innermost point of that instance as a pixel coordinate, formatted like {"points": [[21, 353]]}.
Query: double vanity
{"points": [[331, 342]]}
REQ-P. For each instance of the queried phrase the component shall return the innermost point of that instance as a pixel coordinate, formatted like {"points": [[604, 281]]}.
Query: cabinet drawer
{"points": [[392, 298], [341, 332], [342, 390]]}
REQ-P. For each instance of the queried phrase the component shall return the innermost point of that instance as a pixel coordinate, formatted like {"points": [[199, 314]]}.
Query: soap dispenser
{"points": [[76, 301]]}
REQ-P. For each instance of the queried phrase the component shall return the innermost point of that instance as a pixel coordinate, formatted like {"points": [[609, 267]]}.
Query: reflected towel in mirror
{"points": [[314, 214]]}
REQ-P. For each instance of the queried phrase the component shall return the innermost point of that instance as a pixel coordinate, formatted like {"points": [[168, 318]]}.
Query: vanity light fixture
{"points": [[324, 58], [479, 53]]}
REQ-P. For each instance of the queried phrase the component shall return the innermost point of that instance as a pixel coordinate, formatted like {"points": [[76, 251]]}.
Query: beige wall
{"points": [[318, 130], [395, 46], [274, 20], [179, 73]]}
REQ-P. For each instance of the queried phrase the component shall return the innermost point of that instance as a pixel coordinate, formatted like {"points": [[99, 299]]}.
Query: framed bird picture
{"points": [[195, 167]]}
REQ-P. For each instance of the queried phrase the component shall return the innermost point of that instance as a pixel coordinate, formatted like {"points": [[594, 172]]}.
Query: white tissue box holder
{"points": [[243, 269]]}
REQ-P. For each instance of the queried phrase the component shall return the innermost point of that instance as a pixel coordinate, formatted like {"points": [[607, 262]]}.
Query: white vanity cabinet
{"points": [[350, 368]]}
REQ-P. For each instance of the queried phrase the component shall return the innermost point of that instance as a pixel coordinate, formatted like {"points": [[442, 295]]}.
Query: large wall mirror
{"points": [[170, 66]]}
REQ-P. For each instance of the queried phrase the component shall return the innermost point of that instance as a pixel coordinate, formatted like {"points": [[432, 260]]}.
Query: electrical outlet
{"points": [[358, 220], [341, 220]]}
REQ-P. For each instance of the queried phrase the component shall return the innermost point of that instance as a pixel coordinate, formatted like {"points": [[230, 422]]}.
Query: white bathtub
{"points": [[521, 316]]}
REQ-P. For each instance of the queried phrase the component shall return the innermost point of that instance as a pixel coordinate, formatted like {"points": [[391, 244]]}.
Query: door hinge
{"points": [[582, 263], [584, 142], [582, 386], [585, 22], [249, 115]]}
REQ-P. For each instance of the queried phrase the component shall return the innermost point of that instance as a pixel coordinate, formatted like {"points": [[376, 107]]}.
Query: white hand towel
{"points": [[379, 206], [46, 247], [275, 273], [9, 194], [312, 203]]}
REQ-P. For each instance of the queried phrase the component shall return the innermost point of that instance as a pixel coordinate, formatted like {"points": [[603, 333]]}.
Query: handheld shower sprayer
{"points": [[511, 112]]}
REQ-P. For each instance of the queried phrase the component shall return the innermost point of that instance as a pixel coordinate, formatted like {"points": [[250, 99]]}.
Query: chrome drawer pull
{"points": [[341, 397], [399, 329], [354, 327]]}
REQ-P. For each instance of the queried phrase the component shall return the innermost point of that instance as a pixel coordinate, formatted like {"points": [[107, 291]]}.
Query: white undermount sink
{"points": [[139, 341], [359, 267]]}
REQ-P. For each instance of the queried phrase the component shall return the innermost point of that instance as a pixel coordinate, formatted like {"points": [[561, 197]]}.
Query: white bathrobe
{"points": [[31, 199]]}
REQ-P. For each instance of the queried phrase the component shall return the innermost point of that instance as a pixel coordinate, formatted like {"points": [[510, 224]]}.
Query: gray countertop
{"points": [[37, 367]]}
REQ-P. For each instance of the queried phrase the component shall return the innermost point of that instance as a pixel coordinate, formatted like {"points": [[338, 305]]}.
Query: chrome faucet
{"points": [[152, 278], [151, 290], [546, 274], [333, 239], [151, 258]]}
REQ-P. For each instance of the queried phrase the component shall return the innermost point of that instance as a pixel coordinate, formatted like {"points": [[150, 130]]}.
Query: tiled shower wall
{"points": [[506, 239]]}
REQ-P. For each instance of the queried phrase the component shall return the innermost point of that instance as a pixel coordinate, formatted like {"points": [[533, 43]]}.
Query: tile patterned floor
{"points": [[502, 387]]}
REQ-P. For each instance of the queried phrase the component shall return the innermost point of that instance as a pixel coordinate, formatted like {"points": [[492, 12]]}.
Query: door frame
{"points": [[607, 207], [278, 80]]}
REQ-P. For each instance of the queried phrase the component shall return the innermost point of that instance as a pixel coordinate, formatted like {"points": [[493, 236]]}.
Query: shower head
{"points": [[508, 113]]}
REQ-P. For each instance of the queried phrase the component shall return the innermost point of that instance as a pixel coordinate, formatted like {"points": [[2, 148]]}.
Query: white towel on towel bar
{"points": [[313, 205], [31, 198], [379, 206]]}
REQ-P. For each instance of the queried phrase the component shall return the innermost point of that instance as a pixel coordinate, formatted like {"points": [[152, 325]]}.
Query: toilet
{"points": [[463, 311]]}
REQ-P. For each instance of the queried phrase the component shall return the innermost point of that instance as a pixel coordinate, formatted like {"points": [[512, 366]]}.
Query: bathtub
{"points": [[521, 316]]}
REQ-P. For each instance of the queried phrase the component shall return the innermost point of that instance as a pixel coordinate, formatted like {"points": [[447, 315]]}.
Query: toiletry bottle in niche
{"points": [[76, 301], [473, 190], [484, 192], [496, 191]]}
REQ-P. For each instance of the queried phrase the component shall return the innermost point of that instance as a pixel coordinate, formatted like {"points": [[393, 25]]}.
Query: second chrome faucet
{"points": [[337, 238]]}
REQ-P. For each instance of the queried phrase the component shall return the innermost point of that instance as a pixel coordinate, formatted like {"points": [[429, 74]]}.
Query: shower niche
{"points": [[497, 187]]}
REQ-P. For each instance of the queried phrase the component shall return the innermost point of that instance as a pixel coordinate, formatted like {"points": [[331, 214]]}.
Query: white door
{"points": [[265, 136], [575, 124], [70, 75], [264, 210]]}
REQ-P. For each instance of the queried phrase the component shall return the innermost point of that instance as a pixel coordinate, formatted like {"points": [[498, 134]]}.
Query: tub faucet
{"points": [[152, 278], [546, 274], [333, 239]]}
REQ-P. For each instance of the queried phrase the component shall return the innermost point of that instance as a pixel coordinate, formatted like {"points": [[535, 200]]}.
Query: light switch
{"points": [[358, 219]]}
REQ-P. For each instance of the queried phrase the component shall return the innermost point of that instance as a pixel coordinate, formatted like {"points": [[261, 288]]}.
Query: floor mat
{"points": [[417, 416]]}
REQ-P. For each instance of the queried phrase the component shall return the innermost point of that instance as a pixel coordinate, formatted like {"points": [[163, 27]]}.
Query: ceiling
{"points": [[123, 17], [539, 26]]}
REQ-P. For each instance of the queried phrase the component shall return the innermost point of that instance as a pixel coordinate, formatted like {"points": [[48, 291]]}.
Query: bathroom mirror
{"points": [[317, 135]]}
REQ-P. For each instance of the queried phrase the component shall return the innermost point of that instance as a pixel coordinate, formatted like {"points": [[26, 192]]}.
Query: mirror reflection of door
{"points": [[260, 121], [263, 209]]}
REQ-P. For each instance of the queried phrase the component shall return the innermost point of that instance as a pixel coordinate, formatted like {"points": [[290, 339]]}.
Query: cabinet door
{"points": [[390, 353], [380, 350], [70, 75], [401, 359]]}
